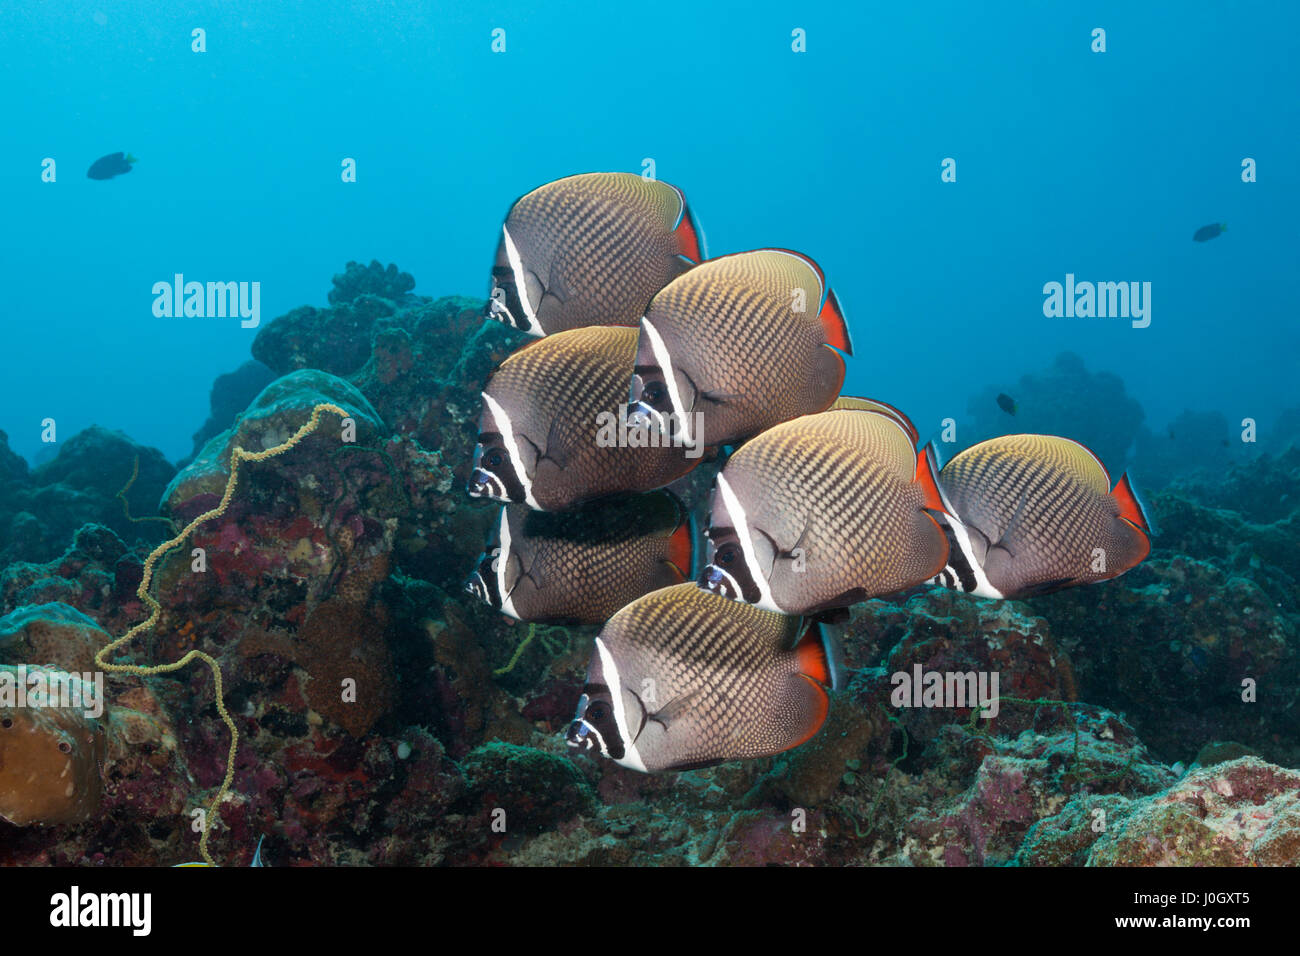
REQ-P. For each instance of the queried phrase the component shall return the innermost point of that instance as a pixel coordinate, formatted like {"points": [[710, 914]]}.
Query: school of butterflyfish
{"points": [[647, 354]]}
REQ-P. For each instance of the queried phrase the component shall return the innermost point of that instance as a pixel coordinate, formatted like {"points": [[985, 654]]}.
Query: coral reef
{"points": [[53, 633], [1194, 441], [357, 280], [1065, 399], [41, 510], [13, 468], [1241, 813], [384, 717], [231, 394]]}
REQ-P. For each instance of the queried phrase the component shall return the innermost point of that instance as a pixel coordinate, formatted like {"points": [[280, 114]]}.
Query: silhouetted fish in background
{"points": [[1212, 231], [114, 164], [1007, 403]]}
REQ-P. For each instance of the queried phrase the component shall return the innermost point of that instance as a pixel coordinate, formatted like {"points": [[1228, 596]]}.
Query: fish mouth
{"points": [[484, 484], [717, 581], [504, 305], [498, 307], [578, 735]]}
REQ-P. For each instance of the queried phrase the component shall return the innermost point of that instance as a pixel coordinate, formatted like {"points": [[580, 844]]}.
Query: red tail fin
{"points": [[690, 242], [681, 548], [927, 476], [836, 326], [1130, 505], [811, 652], [818, 669]]}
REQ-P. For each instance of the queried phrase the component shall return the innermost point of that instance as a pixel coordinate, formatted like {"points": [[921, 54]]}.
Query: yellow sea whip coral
{"points": [[238, 456], [126, 507]]}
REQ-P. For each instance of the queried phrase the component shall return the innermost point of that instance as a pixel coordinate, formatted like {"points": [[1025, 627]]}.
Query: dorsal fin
{"points": [[854, 402], [1095, 457]]}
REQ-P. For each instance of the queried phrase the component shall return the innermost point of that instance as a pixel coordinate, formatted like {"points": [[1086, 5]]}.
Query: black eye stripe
{"points": [[737, 568], [488, 581]]}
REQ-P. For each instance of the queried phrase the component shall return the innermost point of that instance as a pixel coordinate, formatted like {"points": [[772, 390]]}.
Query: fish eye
{"points": [[653, 394], [495, 458], [65, 747], [726, 556], [596, 711]]}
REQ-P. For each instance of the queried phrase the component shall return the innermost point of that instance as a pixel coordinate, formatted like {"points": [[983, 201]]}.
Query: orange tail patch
{"points": [[927, 476], [1130, 505], [690, 243], [835, 325], [681, 548], [812, 657], [815, 666]]}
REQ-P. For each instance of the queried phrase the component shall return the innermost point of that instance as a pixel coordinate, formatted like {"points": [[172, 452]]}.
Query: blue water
{"points": [[1102, 165]]}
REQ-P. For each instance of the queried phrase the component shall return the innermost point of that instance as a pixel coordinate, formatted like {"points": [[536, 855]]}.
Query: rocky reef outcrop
{"points": [[98, 476], [1064, 399], [386, 718]]}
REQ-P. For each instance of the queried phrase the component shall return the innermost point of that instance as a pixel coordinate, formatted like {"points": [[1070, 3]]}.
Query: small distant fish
{"points": [[681, 679], [1007, 403], [114, 164], [582, 566], [747, 340], [541, 426], [590, 250], [1212, 231], [825, 511], [1030, 514]]}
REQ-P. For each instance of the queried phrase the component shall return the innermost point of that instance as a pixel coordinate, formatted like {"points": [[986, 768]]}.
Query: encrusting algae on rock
{"points": [[238, 456]]}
